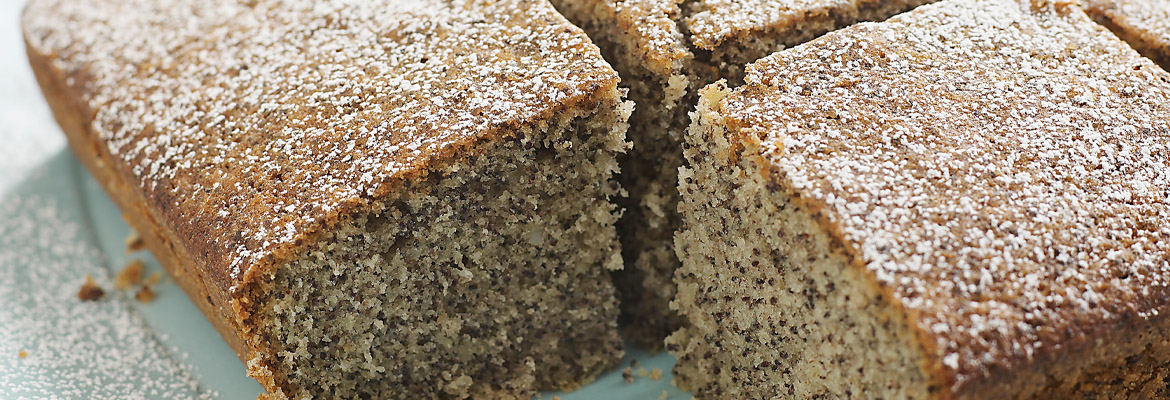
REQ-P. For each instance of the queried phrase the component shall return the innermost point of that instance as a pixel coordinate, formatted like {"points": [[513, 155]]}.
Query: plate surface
{"points": [[58, 226]]}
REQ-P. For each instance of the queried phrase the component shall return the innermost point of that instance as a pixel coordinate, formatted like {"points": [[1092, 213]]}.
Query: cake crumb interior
{"points": [[487, 279], [775, 307]]}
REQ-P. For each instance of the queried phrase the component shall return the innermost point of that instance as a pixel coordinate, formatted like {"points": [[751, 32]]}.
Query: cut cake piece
{"points": [[729, 34], [665, 51], [385, 199], [1144, 24], [642, 40], [969, 201]]}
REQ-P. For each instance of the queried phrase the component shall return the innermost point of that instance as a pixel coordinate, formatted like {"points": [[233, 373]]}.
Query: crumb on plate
{"points": [[130, 275], [134, 242], [145, 294], [90, 291]]}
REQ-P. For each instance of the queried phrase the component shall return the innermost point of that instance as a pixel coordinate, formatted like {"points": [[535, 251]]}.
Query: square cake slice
{"points": [[968, 201], [382, 199], [666, 50], [1144, 24]]}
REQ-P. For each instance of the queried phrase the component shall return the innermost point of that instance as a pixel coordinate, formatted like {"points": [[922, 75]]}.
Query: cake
{"points": [[968, 201], [1141, 23], [384, 199], [665, 52]]}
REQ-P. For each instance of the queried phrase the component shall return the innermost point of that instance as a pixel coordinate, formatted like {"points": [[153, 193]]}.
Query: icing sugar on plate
{"points": [[51, 344]]}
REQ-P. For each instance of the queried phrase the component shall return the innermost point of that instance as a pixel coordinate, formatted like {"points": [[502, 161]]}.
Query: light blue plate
{"points": [[57, 226]]}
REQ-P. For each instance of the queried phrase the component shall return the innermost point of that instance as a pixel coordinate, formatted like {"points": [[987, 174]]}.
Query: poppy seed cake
{"points": [[384, 199], [666, 51], [967, 201], [1144, 24]]}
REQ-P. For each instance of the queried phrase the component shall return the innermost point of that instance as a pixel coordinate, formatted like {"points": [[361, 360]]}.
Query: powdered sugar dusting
{"points": [[1145, 17], [54, 346], [653, 26], [1142, 23], [1005, 170], [258, 121], [18, 115], [718, 21]]}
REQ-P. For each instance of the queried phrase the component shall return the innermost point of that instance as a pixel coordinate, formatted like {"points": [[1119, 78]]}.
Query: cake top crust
{"points": [[654, 24], [255, 125], [1146, 16], [654, 27], [1146, 20], [716, 22], [1001, 168]]}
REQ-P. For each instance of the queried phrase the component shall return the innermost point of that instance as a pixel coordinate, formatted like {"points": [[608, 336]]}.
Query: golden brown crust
{"points": [[651, 31], [742, 31], [71, 115], [1141, 23]]}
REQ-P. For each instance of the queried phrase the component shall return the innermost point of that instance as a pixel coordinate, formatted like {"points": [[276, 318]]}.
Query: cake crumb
{"points": [[556, 398], [663, 395], [22, 354], [643, 372], [634, 363], [655, 373], [90, 291], [154, 279], [628, 374], [145, 295], [134, 242], [130, 275]]}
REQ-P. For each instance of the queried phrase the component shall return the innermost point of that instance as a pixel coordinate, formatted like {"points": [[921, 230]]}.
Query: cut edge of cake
{"points": [[726, 182], [644, 42], [520, 239], [659, 51], [739, 206]]}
